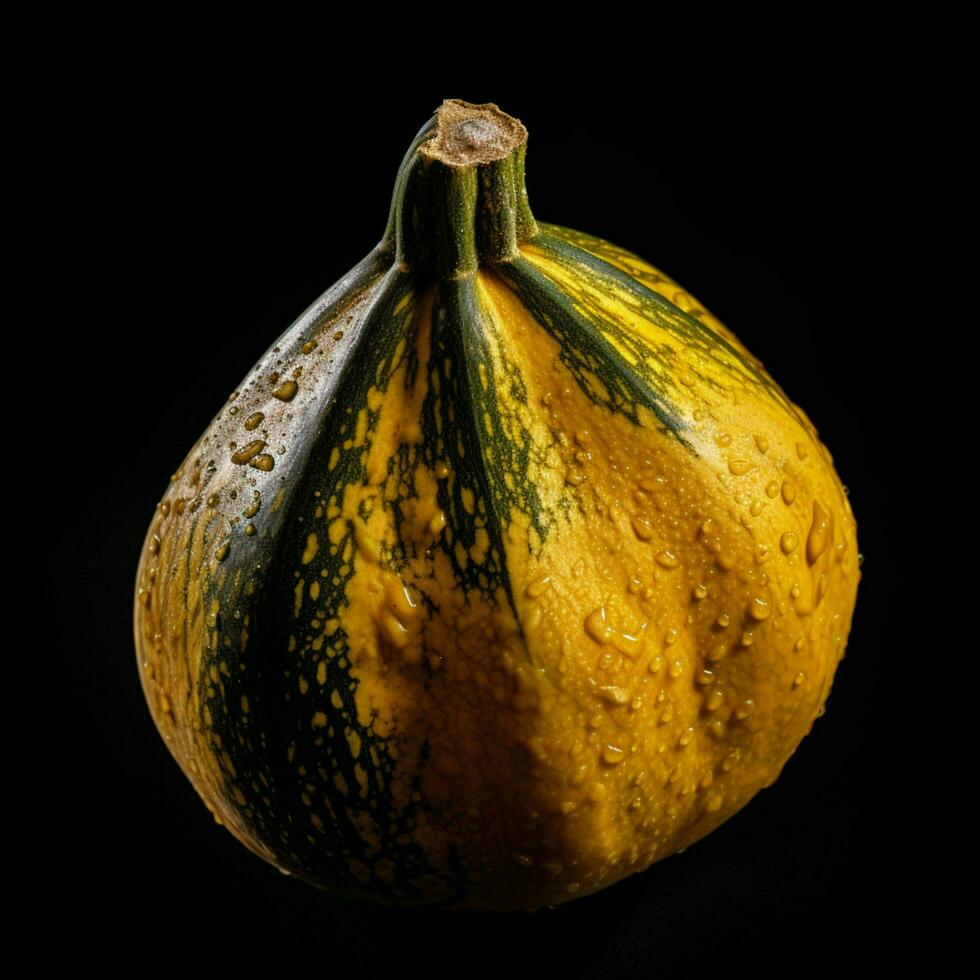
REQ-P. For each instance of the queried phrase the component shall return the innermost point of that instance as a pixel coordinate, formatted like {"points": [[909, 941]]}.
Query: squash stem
{"points": [[459, 197]]}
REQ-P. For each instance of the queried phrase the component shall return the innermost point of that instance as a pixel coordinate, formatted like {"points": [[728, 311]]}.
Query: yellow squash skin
{"points": [[648, 646]]}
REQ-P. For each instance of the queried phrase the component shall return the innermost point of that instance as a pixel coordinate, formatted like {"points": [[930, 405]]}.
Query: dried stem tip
{"points": [[468, 134]]}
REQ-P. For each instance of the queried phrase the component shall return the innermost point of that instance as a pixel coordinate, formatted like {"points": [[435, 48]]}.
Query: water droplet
{"points": [[642, 527], [338, 335], [801, 451], [745, 709], [760, 608], [724, 620], [819, 536], [687, 736], [213, 500], [739, 467], [706, 676], [667, 559], [248, 452], [253, 421], [308, 347], [538, 587], [724, 439], [615, 695], [250, 529], [395, 630], [714, 699], [596, 626], [789, 542], [700, 591], [799, 679], [714, 803], [612, 755], [718, 652], [222, 553], [755, 508], [286, 392], [262, 462], [437, 523], [761, 443], [789, 491], [629, 643]]}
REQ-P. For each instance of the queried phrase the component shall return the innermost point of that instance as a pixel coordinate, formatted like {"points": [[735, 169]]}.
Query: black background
{"points": [[201, 218]]}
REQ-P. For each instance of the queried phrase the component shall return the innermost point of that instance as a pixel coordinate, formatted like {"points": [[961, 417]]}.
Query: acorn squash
{"points": [[506, 572]]}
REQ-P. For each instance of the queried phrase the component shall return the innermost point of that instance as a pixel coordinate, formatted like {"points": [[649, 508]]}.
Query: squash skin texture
{"points": [[488, 589]]}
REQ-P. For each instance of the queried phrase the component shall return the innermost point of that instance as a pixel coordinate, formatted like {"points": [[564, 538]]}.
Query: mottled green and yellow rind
{"points": [[495, 460]]}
